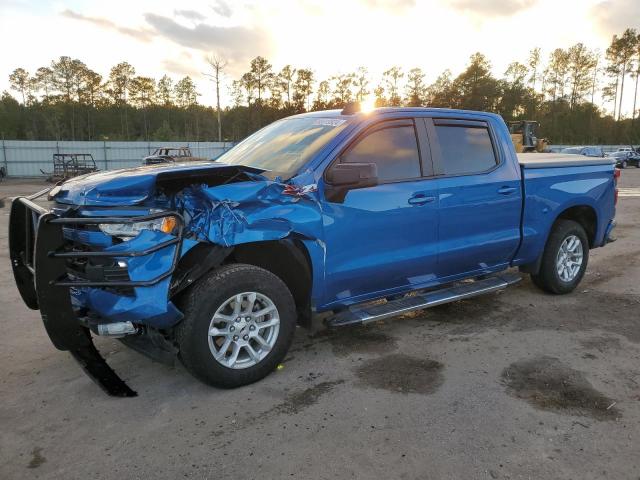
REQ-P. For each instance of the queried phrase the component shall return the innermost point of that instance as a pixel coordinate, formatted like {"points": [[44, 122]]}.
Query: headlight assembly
{"points": [[127, 231]]}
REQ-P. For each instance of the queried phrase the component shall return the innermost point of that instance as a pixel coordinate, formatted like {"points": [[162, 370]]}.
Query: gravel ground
{"points": [[517, 384]]}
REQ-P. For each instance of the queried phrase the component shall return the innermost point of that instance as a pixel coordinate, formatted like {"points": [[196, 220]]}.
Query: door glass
{"points": [[393, 149], [465, 149]]}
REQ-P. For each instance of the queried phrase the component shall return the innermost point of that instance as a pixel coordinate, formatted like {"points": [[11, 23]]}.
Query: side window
{"points": [[465, 149], [394, 149]]}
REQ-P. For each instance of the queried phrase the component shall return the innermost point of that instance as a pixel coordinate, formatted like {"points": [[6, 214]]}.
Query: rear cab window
{"points": [[466, 147]]}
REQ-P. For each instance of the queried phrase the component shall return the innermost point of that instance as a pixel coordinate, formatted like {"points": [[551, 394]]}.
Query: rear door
{"points": [[383, 238], [480, 198]]}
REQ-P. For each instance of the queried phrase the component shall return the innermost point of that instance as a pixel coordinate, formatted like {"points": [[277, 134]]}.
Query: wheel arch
{"points": [[290, 261], [582, 213], [194, 264], [585, 215]]}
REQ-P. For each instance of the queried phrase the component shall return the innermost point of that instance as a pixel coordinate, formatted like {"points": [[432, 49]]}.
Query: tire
{"points": [[207, 297], [623, 164], [548, 278]]}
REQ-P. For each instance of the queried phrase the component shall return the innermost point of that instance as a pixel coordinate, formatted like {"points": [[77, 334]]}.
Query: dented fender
{"points": [[248, 212], [257, 211]]}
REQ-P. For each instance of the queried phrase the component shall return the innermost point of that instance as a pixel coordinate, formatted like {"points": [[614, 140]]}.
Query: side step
{"points": [[370, 313]]}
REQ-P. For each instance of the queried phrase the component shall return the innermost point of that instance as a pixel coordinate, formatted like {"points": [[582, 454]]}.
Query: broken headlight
{"points": [[127, 231]]}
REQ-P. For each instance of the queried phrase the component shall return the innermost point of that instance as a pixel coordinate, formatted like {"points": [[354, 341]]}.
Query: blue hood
{"points": [[132, 186]]}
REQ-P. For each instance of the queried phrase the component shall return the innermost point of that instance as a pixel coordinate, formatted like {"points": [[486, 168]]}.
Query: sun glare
{"points": [[367, 105]]}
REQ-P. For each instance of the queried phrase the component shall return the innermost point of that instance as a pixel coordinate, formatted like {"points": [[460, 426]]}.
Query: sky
{"points": [[327, 36]]}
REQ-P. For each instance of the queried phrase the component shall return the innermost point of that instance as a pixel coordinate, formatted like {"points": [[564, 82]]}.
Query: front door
{"points": [[383, 239]]}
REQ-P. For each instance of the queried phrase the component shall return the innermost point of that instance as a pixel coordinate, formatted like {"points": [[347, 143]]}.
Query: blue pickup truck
{"points": [[363, 215]]}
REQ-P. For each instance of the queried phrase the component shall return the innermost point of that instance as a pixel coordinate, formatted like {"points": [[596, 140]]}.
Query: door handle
{"points": [[420, 199], [506, 190]]}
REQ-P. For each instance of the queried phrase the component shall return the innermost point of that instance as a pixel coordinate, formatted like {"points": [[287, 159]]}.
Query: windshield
{"points": [[284, 146]]}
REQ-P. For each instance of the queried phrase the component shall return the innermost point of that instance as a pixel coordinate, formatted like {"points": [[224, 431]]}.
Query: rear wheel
{"points": [[238, 325], [624, 164], [564, 259]]}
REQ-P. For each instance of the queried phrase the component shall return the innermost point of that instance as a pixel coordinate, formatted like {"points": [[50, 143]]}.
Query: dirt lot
{"points": [[517, 384]]}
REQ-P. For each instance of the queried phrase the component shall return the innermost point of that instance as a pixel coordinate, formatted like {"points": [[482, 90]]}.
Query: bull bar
{"points": [[38, 259]]}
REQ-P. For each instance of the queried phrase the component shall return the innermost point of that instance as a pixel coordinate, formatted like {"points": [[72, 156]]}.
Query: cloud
{"points": [[235, 43], [138, 34], [190, 15], [183, 65], [487, 8], [390, 4], [221, 8], [616, 16]]}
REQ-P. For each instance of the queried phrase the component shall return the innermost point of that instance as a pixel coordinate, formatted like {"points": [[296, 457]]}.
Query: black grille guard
{"points": [[38, 259]]}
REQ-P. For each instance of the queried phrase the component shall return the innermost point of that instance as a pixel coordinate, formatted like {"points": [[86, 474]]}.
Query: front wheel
{"points": [[564, 259], [238, 324], [624, 164]]}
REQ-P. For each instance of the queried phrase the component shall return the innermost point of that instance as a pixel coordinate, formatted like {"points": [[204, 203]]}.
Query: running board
{"points": [[370, 313]]}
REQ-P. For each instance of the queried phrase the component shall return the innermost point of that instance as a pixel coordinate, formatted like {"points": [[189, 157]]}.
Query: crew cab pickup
{"points": [[363, 215]]}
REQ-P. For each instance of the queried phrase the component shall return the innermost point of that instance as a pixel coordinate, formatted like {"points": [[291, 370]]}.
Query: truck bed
{"points": [[545, 160], [553, 183]]}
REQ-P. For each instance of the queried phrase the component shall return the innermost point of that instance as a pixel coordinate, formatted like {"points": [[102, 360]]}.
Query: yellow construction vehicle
{"points": [[523, 136]]}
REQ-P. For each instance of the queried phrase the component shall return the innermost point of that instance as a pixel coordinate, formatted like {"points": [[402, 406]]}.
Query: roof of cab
{"points": [[337, 113]]}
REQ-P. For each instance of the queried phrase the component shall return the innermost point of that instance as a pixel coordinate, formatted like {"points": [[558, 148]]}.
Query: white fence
{"points": [[605, 148], [25, 158]]}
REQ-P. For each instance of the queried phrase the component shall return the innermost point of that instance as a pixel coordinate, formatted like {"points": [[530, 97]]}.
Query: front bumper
{"points": [[41, 257]]}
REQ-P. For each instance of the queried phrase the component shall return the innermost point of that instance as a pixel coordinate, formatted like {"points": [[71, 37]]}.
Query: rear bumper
{"points": [[41, 257]]}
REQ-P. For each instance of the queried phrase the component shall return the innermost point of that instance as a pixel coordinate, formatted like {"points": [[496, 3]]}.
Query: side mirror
{"points": [[353, 175]]}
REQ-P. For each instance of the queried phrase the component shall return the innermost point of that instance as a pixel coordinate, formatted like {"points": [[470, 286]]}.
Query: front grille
{"points": [[85, 238], [88, 262], [100, 270]]}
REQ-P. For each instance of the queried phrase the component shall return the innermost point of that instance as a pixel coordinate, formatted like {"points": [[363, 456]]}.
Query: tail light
{"points": [[616, 176]]}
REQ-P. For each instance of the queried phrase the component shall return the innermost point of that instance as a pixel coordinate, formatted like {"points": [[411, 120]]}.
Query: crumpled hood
{"points": [[132, 186]]}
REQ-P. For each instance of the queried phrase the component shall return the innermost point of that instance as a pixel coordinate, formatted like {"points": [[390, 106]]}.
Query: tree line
{"points": [[576, 94]]}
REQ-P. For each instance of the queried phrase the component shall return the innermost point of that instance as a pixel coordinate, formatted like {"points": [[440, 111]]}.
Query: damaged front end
{"points": [[97, 263], [74, 287]]}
